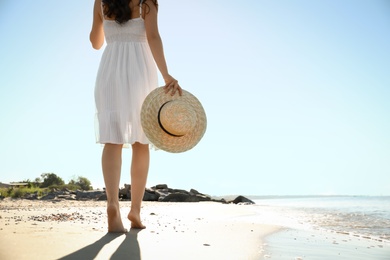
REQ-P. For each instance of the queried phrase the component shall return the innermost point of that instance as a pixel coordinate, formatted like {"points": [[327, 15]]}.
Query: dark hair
{"points": [[120, 9]]}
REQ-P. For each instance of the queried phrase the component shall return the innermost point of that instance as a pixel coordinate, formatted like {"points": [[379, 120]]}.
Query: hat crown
{"points": [[173, 123], [177, 118]]}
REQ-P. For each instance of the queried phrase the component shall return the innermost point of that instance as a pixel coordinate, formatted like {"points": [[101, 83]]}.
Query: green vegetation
{"points": [[48, 182], [81, 182], [50, 179], [21, 192]]}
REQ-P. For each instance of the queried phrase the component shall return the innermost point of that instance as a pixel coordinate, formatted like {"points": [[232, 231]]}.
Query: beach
{"points": [[62, 229], [78, 230]]}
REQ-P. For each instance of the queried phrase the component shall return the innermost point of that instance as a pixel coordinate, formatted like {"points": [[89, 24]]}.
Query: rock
{"points": [[160, 186], [180, 197], [66, 189], [150, 196], [202, 197], [31, 196], [220, 200], [125, 193], [150, 190], [49, 196], [88, 195], [59, 192], [242, 199], [67, 197], [180, 191], [162, 193], [194, 192], [102, 197], [122, 192]]}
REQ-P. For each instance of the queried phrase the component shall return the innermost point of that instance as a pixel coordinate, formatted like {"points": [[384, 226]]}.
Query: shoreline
{"points": [[299, 244], [63, 229], [77, 230]]}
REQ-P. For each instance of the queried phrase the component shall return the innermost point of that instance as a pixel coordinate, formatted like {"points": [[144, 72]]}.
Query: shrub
{"points": [[84, 183], [5, 192], [50, 179], [81, 182], [21, 192]]}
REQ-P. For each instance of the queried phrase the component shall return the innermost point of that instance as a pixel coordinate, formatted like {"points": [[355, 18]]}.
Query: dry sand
{"points": [[77, 230]]}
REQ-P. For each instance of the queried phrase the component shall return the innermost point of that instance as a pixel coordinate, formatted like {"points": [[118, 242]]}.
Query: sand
{"points": [[207, 230], [323, 245], [77, 230]]}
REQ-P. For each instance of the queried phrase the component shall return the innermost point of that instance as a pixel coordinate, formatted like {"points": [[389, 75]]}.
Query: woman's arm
{"points": [[97, 33], [156, 46]]}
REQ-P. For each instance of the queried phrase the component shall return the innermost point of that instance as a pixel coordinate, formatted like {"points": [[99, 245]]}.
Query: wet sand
{"points": [[324, 245]]}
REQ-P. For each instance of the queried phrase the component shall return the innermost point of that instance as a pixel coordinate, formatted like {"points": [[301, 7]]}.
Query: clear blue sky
{"points": [[297, 95]]}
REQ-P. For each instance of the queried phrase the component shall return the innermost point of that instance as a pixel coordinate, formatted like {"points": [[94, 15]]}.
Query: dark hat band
{"points": [[161, 125]]}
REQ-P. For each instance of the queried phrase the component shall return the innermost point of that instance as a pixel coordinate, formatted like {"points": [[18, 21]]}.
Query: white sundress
{"points": [[126, 75]]}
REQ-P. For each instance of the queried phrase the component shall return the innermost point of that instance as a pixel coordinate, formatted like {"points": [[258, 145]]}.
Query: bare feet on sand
{"points": [[135, 220], [114, 219]]}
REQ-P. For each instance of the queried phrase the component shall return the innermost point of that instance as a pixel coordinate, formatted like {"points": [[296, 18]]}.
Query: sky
{"points": [[296, 95]]}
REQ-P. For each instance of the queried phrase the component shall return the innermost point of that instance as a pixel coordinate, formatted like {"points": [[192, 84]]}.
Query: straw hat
{"points": [[173, 123]]}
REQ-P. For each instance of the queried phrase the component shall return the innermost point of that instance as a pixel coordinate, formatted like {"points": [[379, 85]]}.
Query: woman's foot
{"points": [[114, 219], [135, 220]]}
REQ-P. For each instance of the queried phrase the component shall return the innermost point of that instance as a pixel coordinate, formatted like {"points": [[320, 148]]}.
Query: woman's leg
{"points": [[111, 165], [139, 174]]}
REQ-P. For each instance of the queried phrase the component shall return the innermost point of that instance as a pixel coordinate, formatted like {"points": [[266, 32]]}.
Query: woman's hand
{"points": [[171, 84]]}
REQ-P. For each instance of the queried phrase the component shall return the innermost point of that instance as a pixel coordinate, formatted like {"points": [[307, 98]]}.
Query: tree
{"points": [[29, 183], [37, 182], [50, 179], [82, 182]]}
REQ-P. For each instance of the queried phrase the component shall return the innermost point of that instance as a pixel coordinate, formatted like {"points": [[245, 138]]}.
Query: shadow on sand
{"points": [[129, 249]]}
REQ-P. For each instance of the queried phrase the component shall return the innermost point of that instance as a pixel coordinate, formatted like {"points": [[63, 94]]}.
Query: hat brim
{"points": [[160, 138]]}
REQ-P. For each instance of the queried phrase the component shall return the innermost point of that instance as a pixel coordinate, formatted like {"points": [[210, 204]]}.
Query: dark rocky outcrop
{"points": [[242, 200], [31, 196], [102, 197], [49, 196], [125, 193], [89, 195], [150, 195], [161, 186], [180, 197], [163, 193], [160, 192]]}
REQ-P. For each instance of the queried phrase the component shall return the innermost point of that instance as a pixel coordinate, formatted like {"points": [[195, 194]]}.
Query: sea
{"points": [[364, 216], [325, 227]]}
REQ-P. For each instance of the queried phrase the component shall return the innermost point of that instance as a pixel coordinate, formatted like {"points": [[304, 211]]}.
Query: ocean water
{"points": [[360, 216]]}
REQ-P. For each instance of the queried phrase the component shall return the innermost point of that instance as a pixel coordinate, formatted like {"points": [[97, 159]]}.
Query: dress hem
{"points": [[127, 145]]}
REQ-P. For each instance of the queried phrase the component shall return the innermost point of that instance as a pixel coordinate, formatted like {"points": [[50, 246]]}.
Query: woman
{"points": [[127, 73]]}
